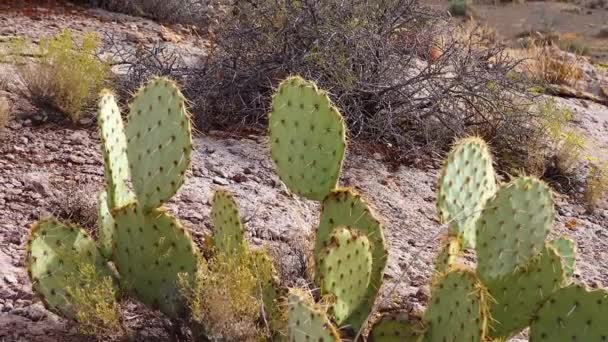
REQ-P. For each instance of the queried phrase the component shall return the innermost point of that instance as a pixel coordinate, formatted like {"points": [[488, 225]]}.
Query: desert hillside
{"points": [[540, 105]]}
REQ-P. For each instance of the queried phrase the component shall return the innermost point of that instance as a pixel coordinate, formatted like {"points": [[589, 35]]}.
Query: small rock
{"points": [[10, 279], [220, 181], [135, 37], [169, 36], [76, 160]]}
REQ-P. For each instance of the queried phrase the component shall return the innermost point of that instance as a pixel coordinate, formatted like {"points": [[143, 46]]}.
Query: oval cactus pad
{"points": [[151, 249], [113, 148], [56, 252], [458, 309], [345, 207], [572, 314], [513, 226], [466, 182], [399, 327], [307, 321], [518, 295], [159, 142], [346, 266], [307, 138], [227, 226]]}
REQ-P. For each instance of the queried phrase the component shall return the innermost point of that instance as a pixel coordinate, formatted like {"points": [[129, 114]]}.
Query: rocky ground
{"points": [[42, 162]]}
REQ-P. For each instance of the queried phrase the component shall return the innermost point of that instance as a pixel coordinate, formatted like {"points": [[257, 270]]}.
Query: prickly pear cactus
{"points": [[345, 207], [151, 249], [572, 314], [307, 138], [448, 254], [307, 320], [566, 248], [513, 226], [159, 142], [345, 269], [106, 225], [518, 295], [399, 327], [228, 229], [55, 251], [113, 147], [458, 309], [466, 182]]}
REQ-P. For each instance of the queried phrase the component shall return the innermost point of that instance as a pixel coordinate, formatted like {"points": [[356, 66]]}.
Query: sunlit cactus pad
{"points": [[55, 253], [518, 295], [513, 226], [466, 182], [113, 148], [345, 269], [159, 142], [345, 207], [228, 229], [448, 255], [106, 225], [458, 309], [307, 138], [307, 320], [399, 327], [151, 249], [572, 314], [566, 248]]}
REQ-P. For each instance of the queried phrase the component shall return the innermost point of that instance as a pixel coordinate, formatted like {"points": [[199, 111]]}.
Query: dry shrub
{"points": [[549, 65], [76, 205], [395, 68], [225, 297], [597, 184], [93, 301], [5, 112], [67, 76]]}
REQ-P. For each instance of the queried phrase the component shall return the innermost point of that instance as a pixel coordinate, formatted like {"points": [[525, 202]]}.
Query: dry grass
{"points": [[5, 112], [597, 184], [67, 76], [225, 297], [548, 65], [76, 205]]}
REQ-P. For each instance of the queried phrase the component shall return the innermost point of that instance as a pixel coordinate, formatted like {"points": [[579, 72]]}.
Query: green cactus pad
{"points": [[113, 147], [55, 254], [448, 254], [151, 249], [307, 138], [572, 314], [566, 248], [307, 320], [228, 229], [513, 226], [106, 225], [458, 309], [518, 295], [466, 182], [345, 207], [159, 142], [345, 269], [399, 327]]}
